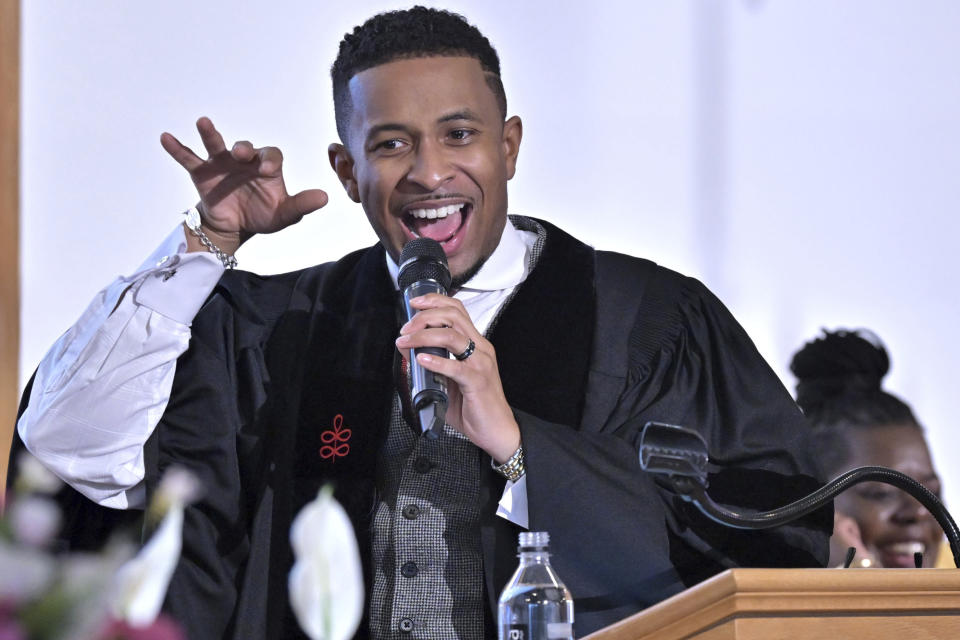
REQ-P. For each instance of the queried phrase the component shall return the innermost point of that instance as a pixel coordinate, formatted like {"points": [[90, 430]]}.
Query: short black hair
{"points": [[839, 387], [419, 32]]}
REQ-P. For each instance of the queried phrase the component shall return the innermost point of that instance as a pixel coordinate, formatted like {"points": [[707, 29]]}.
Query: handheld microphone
{"points": [[423, 270]]}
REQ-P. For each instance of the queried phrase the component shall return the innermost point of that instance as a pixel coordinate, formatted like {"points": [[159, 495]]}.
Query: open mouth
{"points": [[440, 223], [901, 554]]}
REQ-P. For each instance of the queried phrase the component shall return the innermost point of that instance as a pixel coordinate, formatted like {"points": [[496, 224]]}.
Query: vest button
{"points": [[411, 512], [409, 570], [406, 625], [422, 465]]}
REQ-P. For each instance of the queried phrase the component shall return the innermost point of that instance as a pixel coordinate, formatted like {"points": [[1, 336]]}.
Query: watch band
{"points": [[513, 469]]}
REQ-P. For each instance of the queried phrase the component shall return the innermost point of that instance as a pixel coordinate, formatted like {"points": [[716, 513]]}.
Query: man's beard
{"points": [[463, 278]]}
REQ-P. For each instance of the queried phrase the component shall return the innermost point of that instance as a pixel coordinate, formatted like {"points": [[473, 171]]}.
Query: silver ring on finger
{"points": [[466, 353]]}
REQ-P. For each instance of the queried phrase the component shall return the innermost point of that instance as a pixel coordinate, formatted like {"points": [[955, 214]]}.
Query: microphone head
{"points": [[423, 259], [673, 450]]}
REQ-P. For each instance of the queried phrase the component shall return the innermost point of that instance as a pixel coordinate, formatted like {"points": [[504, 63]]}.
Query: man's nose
{"points": [[431, 167]]}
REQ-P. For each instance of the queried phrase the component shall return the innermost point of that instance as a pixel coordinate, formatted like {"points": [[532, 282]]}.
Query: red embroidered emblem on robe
{"points": [[335, 440]]}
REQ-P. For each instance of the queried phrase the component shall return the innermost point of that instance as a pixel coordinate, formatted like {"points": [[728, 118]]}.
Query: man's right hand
{"points": [[241, 189]]}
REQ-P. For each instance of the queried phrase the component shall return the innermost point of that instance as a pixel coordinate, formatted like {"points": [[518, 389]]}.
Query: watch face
{"points": [[193, 218]]}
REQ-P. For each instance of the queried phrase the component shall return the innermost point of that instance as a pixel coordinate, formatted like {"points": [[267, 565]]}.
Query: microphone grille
{"points": [[423, 259]]}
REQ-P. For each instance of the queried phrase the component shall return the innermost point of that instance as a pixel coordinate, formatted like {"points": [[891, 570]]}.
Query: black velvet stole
{"points": [[543, 340], [543, 337], [331, 358]]}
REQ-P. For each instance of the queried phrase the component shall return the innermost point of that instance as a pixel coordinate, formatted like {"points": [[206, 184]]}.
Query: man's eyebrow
{"points": [[463, 114], [387, 126]]}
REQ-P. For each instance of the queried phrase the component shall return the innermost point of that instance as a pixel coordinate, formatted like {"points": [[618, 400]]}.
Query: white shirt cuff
{"points": [[513, 503], [178, 283]]}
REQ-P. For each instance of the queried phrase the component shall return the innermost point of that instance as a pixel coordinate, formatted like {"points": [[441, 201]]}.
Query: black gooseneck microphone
{"points": [[423, 270], [681, 456]]}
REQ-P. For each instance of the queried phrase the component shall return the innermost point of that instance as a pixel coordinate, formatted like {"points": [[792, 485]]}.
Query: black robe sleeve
{"points": [[623, 542], [199, 431], [220, 389]]}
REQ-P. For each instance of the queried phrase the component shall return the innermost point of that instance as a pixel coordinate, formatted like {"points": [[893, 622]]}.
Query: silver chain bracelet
{"points": [[193, 223]]}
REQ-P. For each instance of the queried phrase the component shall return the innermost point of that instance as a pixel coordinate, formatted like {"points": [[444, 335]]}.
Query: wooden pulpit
{"points": [[804, 604]]}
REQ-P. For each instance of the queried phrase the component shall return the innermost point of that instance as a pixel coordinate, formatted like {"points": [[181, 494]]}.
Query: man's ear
{"points": [[342, 163], [512, 134]]}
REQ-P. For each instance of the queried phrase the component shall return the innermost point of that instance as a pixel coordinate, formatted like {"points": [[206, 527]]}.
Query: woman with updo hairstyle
{"points": [[856, 423]]}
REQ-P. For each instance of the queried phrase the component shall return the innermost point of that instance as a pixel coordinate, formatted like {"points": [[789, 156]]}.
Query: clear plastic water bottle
{"points": [[535, 605]]}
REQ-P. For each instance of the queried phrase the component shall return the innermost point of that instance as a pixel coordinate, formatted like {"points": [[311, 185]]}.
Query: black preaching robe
{"points": [[592, 346]]}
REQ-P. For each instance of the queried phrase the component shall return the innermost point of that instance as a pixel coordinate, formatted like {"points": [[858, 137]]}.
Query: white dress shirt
{"points": [[102, 388]]}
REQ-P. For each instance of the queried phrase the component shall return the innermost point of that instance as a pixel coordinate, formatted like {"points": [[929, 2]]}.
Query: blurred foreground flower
{"points": [[326, 581], [141, 583], [34, 520], [163, 628], [33, 477], [47, 596]]}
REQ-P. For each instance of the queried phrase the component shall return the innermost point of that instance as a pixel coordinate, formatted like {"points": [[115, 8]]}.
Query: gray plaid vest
{"points": [[427, 560]]}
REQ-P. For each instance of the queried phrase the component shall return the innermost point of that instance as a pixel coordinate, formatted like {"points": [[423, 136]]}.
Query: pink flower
{"points": [[11, 630], [163, 628]]}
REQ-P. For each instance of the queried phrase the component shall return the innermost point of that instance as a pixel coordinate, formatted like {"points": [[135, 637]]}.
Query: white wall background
{"points": [[800, 156]]}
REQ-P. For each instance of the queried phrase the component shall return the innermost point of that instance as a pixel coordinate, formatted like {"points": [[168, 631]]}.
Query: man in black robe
{"points": [[582, 353]]}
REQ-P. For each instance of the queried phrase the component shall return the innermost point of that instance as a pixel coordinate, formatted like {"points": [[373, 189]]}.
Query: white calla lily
{"points": [[326, 581], [141, 583]]}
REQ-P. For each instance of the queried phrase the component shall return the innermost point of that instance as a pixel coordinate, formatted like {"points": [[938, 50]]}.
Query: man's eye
{"points": [[390, 145], [461, 135]]}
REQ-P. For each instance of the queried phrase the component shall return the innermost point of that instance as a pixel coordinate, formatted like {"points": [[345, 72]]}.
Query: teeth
{"points": [[441, 212], [908, 548]]}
